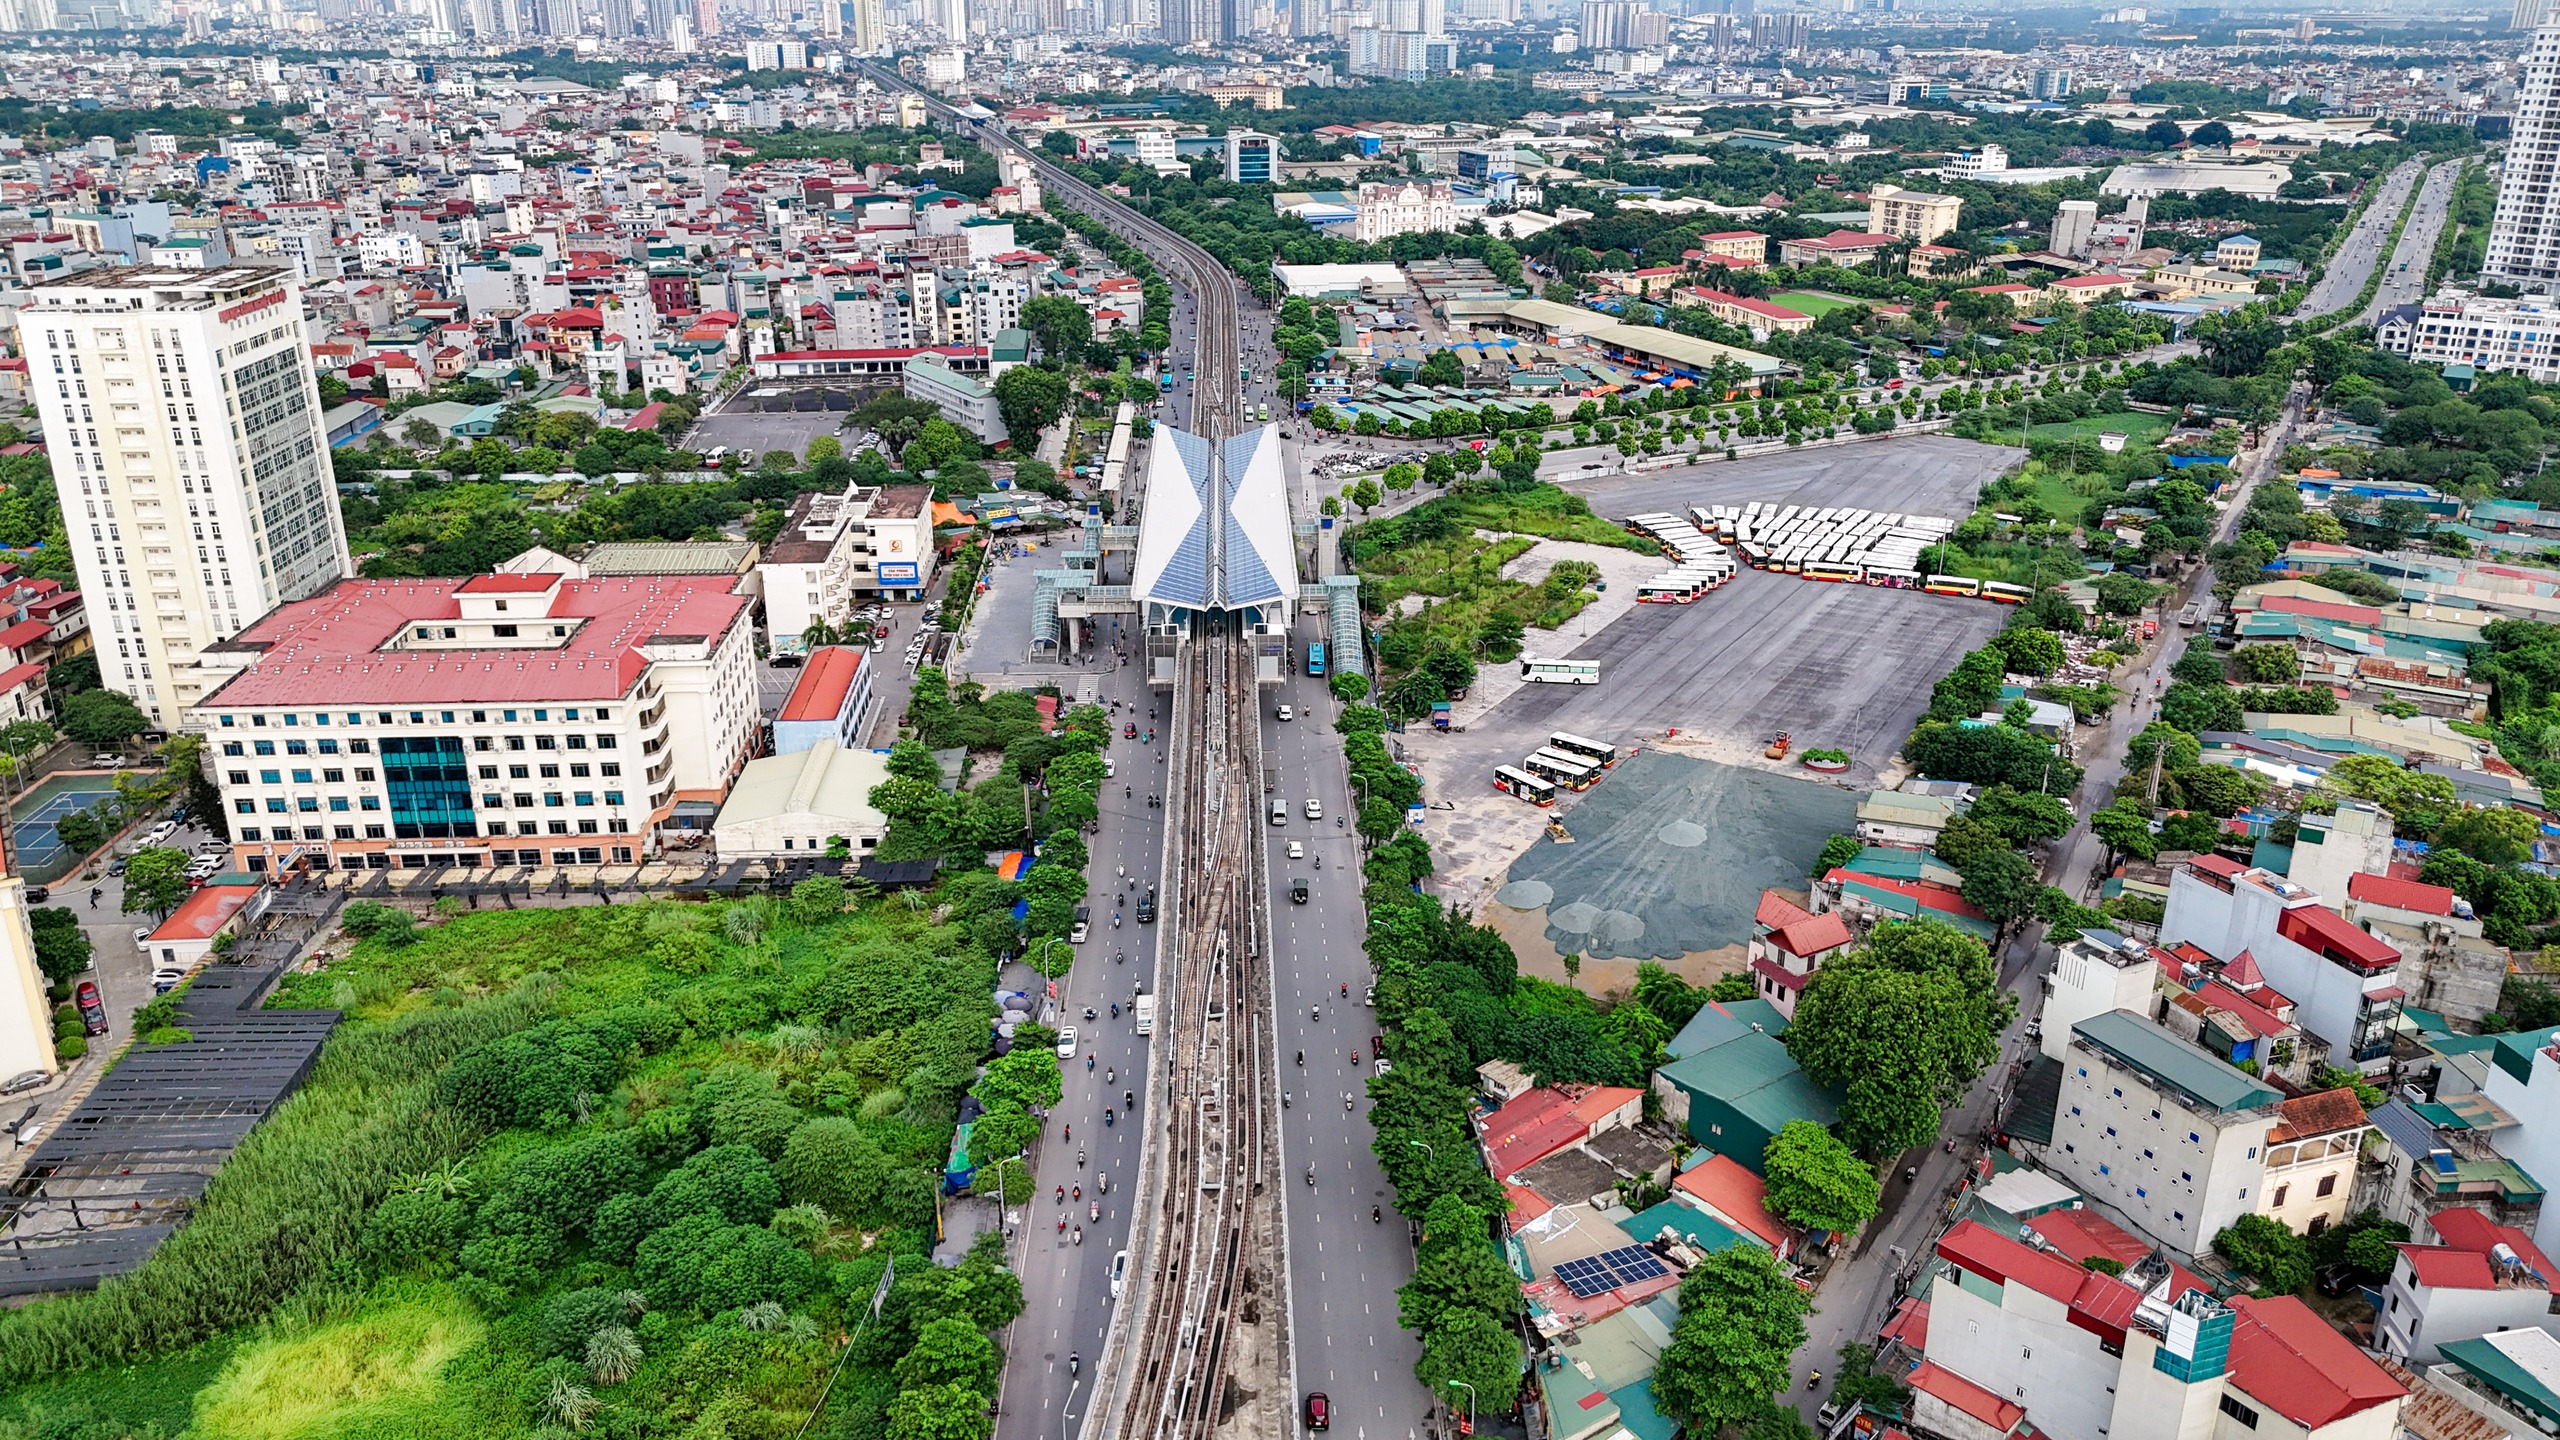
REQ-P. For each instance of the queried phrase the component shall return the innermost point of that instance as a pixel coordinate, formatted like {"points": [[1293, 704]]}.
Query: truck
{"points": [[1144, 1007], [1298, 890]]}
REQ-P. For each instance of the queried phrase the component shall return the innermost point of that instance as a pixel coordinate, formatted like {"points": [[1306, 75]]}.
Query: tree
{"points": [[2265, 1251], [1449, 1280], [1442, 369], [2268, 664], [62, 948], [2002, 884], [949, 1350], [1062, 326], [2498, 837], [1901, 1025], [155, 879], [1815, 1182], [1741, 1322], [1030, 399], [2211, 132], [2020, 816], [104, 718], [940, 1412], [1837, 851], [2164, 133], [1470, 1353]]}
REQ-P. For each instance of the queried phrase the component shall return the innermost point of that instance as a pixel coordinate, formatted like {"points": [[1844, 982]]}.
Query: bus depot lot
{"points": [[1915, 475]]}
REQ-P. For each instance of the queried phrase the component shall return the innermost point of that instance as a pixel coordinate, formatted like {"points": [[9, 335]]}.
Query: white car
{"points": [[1297, 851], [1119, 1273], [142, 937], [1315, 809], [1288, 714], [105, 762], [1067, 1042]]}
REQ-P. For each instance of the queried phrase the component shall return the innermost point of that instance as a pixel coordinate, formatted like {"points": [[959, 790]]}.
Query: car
{"points": [[1315, 808], [1319, 1411], [1369, 996], [1287, 713], [141, 937], [1894, 384], [24, 1081], [93, 1008], [160, 833], [1119, 1271], [1129, 732], [1067, 1042], [116, 866], [37, 894], [1297, 851], [106, 762]]}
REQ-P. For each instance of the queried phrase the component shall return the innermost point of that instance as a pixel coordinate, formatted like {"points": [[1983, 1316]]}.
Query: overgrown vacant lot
{"points": [[626, 1171]]}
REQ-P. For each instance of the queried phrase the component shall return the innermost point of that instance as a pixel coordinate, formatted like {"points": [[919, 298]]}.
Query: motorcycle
{"points": [[1314, 1014], [1094, 1212], [1302, 1057], [1346, 1099], [1073, 1362], [1311, 1177], [1062, 1194], [1115, 919], [1115, 1009], [1128, 1099], [1374, 1215], [1088, 1015], [1079, 1234], [1106, 1119]]}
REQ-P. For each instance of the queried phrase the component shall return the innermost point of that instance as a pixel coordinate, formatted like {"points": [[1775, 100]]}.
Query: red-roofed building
{"points": [[518, 720], [1726, 1189], [1745, 245], [832, 701], [1553, 1118], [2344, 982], [1945, 1403], [2085, 1354], [182, 941], [2290, 1361], [1849, 248], [2383, 892], [1784, 955], [2483, 1277], [2083, 1235], [1761, 317]]}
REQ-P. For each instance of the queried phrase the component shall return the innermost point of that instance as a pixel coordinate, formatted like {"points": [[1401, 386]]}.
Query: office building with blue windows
{"points": [[509, 720]]}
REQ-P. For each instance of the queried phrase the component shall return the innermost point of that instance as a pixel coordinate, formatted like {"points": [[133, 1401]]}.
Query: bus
{"points": [[1570, 771], [1315, 657], [1677, 587], [1604, 756], [1559, 672], [1263, 411], [1951, 585], [1512, 780], [2006, 593], [1166, 384], [1837, 574]]}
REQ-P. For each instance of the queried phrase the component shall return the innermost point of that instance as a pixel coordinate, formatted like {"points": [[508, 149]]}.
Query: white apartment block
{"points": [[1911, 214], [835, 551], [500, 720], [184, 422], [2345, 984], [1411, 207], [2518, 337], [2524, 232]]}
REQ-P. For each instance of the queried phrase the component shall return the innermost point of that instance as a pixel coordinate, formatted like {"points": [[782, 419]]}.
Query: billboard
{"points": [[898, 573]]}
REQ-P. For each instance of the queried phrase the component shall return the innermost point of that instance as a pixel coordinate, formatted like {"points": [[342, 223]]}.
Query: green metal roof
{"points": [[2165, 1058], [1691, 1224], [2518, 1364]]}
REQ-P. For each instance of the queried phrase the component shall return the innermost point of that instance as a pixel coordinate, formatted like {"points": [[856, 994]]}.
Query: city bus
{"points": [[1951, 585], [1836, 573], [1315, 657], [1559, 672], [1604, 756], [2006, 593], [1570, 771], [1674, 587], [1512, 780]]}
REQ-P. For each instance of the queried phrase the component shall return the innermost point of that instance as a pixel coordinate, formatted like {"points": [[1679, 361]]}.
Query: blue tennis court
{"points": [[42, 857]]}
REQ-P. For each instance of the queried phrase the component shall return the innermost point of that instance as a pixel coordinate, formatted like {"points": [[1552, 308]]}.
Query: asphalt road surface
{"points": [[2347, 270], [2405, 283], [1343, 1267], [1066, 1286]]}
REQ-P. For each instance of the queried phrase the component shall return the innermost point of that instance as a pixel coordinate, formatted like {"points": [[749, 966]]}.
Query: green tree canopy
{"points": [[1816, 1182], [1901, 1025], [1741, 1322]]}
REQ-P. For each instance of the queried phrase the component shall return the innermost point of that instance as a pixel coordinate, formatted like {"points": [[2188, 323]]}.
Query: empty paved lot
{"points": [[1920, 475]]}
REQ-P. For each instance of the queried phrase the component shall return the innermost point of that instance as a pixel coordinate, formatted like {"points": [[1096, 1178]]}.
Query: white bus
{"points": [[1512, 780], [2006, 593], [1559, 672], [1571, 771], [1598, 753], [1834, 572]]}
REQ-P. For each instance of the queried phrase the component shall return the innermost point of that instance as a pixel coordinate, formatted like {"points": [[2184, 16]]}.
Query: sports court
{"points": [[42, 857]]}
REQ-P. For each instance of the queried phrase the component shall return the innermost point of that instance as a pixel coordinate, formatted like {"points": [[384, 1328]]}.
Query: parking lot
{"points": [[1919, 474], [741, 424]]}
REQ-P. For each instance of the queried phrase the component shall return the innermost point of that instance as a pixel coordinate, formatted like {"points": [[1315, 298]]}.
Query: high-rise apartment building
{"points": [[2524, 235], [190, 458], [2074, 223], [2527, 14], [870, 26]]}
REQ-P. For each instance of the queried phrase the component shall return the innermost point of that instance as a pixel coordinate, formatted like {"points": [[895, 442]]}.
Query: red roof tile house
{"points": [[1553, 1118], [1727, 1190], [2483, 1278], [2146, 1355], [1787, 946]]}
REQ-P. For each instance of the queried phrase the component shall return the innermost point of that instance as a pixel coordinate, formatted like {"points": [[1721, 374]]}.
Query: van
{"points": [[1279, 812], [711, 459], [1298, 890], [1084, 925]]}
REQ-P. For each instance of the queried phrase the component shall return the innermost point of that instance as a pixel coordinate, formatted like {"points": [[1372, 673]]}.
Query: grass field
{"points": [[2140, 427], [1810, 302]]}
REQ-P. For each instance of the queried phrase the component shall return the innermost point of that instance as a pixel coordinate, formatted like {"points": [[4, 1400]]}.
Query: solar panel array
{"points": [[1611, 1269]]}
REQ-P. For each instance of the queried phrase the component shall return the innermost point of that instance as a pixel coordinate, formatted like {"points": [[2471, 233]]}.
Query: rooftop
{"points": [[333, 649], [820, 693], [2144, 1047]]}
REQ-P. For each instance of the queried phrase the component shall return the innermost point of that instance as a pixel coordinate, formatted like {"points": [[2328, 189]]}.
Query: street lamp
{"points": [[1428, 1153], [1041, 960], [1468, 1425]]}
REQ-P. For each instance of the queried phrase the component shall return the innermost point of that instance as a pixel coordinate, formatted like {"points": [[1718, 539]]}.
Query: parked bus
{"points": [[1315, 657], [1559, 672], [1676, 587], [1837, 574], [1570, 771], [1951, 585], [2006, 593], [1512, 780], [1604, 756]]}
